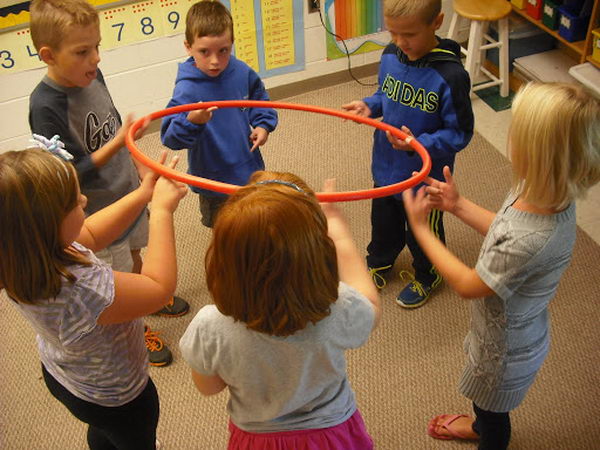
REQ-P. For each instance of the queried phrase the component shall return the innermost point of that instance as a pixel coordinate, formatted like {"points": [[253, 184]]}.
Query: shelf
{"points": [[578, 46], [593, 61]]}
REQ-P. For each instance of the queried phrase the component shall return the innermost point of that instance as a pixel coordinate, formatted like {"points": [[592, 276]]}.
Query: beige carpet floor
{"points": [[408, 370]]}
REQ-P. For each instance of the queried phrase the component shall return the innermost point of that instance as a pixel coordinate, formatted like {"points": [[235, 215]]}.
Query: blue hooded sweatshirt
{"points": [[220, 149], [430, 96]]}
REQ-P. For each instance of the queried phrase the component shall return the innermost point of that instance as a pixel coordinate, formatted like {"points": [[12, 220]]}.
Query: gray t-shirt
{"points": [[282, 383], [522, 260], [102, 364], [86, 119]]}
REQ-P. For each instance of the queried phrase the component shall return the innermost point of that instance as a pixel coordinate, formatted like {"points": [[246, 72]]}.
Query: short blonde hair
{"points": [[37, 191], [51, 20], [554, 143], [207, 18], [428, 10], [271, 263]]}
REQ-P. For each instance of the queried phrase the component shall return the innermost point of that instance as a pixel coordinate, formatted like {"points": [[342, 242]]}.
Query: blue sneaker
{"points": [[415, 293], [378, 275]]}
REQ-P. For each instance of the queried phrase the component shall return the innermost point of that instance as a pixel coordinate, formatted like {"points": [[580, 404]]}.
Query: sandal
{"points": [[447, 419]]}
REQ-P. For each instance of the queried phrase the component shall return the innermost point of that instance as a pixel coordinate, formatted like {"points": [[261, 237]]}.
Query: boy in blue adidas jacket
{"points": [[425, 91], [223, 145]]}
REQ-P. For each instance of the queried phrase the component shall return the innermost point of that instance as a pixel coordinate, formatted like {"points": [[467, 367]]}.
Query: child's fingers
{"points": [[162, 157], [329, 185], [448, 175], [212, 108], [173, 162]]}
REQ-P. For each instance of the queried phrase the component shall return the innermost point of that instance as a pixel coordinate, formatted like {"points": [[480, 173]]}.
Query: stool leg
{"points": [[454, 24], [473, 52], [503, 56]]}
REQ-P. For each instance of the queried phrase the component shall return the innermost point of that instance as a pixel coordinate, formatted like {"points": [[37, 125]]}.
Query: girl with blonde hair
{"points": [[554, 147]]}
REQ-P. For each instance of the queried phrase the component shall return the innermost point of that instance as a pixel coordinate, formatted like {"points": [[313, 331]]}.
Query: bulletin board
{"points": [[269, 34]]}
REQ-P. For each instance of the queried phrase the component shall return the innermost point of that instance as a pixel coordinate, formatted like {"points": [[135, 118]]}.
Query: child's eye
{"points": [[223, 51], [203, 52]]}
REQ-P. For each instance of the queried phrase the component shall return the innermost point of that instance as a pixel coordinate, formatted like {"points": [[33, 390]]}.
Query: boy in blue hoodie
{"points": [[425, 91], [223, 145]]}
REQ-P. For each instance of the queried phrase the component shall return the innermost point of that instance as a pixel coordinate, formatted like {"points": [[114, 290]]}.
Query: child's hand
{"points": [[399, 144], [442, 196], [357, 107], [201, 116], [150, 177], [417, 207], [258, 137], [167, 192]]}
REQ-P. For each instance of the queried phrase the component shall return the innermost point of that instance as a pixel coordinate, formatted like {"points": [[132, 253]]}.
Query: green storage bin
{"points": [[550, 13]]}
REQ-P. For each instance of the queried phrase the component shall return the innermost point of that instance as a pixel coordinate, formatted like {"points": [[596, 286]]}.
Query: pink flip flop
{"points": [[447, 421]]}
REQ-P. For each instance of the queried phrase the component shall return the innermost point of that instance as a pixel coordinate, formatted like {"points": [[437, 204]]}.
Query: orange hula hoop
{"points": [[225, 188]]}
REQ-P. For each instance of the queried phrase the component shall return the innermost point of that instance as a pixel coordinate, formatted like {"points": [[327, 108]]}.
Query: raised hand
{"points": [[167, 192], [201, 116], [442, 195], [417, 207], [357, 107], [258, 137], [399, 144]]}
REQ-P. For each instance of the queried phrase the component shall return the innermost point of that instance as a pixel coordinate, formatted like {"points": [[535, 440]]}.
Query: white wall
{"points": [[140, 77]]}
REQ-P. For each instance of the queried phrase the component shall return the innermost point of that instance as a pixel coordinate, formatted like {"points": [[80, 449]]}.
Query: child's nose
{"points": [[96, 56]]}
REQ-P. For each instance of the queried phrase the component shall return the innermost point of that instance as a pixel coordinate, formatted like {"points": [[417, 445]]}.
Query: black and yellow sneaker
{"points": [[175, 308], [378, 275], [416, 292], [159, 354]]}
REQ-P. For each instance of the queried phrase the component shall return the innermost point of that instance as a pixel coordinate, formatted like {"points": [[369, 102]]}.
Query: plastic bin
{"points": [[520, 4], [550, 13], [524, 39], [596, 45], [534, 8], [572, 25]]}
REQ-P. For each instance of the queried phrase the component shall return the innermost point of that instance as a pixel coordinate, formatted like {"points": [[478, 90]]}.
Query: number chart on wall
{"points": [[269, 34]]}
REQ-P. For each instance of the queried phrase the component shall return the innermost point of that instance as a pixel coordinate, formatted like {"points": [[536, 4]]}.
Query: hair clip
{"points": [[54, 146], [285, 183]]}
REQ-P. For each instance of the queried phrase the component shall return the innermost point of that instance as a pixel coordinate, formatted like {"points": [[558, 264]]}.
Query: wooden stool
{"points": [[481, 13]]}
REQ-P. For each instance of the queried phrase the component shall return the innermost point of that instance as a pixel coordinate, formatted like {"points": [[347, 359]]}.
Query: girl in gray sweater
{"points": [[554, 148]]}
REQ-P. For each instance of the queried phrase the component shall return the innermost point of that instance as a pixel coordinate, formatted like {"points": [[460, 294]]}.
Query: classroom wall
{"points": [[140, 77]]}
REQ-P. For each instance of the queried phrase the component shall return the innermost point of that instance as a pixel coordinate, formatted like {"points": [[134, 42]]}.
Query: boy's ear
{"points": [[188, 48], [437, 22], [47, 55]]}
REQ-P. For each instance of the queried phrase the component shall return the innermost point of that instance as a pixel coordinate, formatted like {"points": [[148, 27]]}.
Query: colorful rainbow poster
{"points": [[359, 23]]}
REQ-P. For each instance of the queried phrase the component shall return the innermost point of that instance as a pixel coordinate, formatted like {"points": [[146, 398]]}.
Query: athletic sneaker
{"points": [[378, 275], [159, 354], [175, 308], [415, 293]]}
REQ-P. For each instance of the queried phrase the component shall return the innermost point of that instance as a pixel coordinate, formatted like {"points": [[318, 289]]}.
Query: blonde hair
{"points": [[207, 18], [271, 263], [554, 143], [37, 191], [51, 20], [428, 10]]}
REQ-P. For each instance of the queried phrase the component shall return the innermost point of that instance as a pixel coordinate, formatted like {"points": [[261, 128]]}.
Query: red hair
{"points": [[271, 263]]}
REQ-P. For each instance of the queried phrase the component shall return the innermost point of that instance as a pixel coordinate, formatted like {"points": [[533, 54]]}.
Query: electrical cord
{"points": [[347, 53]]}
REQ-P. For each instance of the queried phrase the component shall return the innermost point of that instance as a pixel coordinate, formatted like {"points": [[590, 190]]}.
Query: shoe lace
{"points": [[378, 278], [170, 302], [153, 342], [415, 285]]}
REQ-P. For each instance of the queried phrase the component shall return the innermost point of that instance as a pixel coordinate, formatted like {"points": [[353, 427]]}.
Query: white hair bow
{"points": [[53, 145]]}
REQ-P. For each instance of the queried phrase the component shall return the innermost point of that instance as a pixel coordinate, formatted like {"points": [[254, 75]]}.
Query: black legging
{"points": [[493, 429], [128, 427]]}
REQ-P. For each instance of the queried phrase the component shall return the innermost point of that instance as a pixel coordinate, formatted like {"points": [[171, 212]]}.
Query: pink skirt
{"points": [[349, 435]]}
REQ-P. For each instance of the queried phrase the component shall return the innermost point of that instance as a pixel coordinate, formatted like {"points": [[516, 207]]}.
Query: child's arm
{"points": [[103, 227], [445, 196], [103, 155], [352, 267], [177, 131], [208, 385], [262, 120], [463, 279], [137, 295]]}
